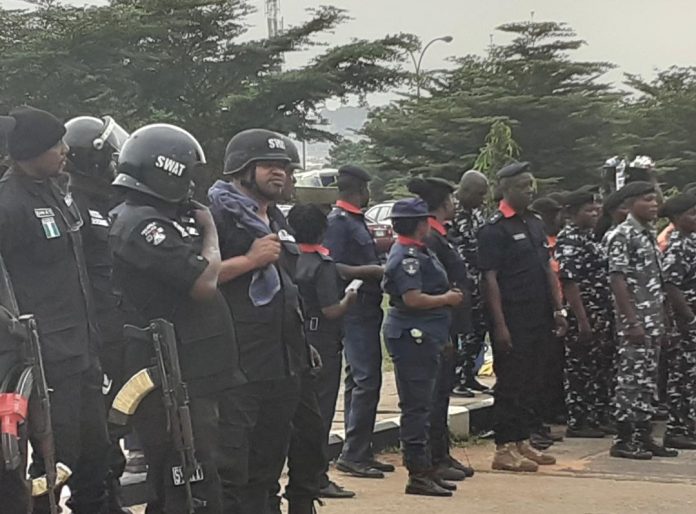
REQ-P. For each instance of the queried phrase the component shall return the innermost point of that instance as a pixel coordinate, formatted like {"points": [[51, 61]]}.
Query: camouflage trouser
{"points": [[681, 383], [470, 343], [607, 374], [585, 380], [636, 381]]}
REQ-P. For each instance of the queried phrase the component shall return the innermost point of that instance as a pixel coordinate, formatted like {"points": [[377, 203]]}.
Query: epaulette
{"points": [[495, 218]]}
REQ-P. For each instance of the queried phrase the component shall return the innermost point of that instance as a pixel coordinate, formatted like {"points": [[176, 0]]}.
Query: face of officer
{"points": [[472, 192], [364, 195], [686, 222], [48, 164], [586, 216], [518, 191], [289, 187], [448, 208], [644, 208], [271, 177]]}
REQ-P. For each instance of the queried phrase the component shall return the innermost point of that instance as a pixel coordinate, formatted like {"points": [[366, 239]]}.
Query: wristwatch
{"points": [[560, 312]]}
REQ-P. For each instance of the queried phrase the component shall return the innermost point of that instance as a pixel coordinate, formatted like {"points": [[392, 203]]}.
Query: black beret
{"points": [[439, 183], [677, 205], [545, 205], [579, 197], [634, 189], [512, 170], [354, 171], [30, 132], [410, 208], [613, 201]]}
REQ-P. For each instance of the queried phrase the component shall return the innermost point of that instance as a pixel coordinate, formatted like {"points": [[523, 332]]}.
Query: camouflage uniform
{"points": [[680, 271], [633, 252], [463, 236], [583, 260]]}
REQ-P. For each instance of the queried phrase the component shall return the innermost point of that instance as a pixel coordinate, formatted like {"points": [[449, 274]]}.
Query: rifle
{"points": [[166, 373]]}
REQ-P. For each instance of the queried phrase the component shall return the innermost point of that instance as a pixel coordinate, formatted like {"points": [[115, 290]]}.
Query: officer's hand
{"points": [[585, 332], [265, 251], [502, 338], [561, 326], [635, 334], [203, 217], [315, 358], [350, 296], [454, 297]]}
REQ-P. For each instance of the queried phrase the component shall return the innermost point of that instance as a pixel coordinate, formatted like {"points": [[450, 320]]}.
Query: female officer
{"points": [[437, 194], [416, 330]]}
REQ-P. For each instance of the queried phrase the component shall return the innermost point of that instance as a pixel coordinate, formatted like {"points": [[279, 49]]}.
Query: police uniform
{"points": [[514, 245], [463, 235], [41, 243], [582, 260], [633, 253], [415, 338], [350, 242], [680, 271], [268, 320], [157, 258]]}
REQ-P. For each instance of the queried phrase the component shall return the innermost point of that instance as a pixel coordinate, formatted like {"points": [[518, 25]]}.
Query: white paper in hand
{"points": [[354, 285]]}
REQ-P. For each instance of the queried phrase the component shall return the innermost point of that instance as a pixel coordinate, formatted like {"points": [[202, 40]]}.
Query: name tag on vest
{"points": [[519, 237]]}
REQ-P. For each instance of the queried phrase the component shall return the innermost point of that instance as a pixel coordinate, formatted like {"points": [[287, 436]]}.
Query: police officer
{"points": [[437, 194], [471, 193], [583, 272], [351, 245], [166, 263], [524, 306], [635, 269], [92, 143], [680, 286], [259, 257], [416, 331], [41, 243], [325, 303]]}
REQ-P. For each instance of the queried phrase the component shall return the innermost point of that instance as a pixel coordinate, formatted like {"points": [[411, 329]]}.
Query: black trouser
{"points": [[519, 375], [439, 429], [150, 423], [15, 490], [255, 425], [112, 361], [81, 441]]}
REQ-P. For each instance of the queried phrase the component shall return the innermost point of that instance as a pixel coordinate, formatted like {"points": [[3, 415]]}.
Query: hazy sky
{"points": [[637, 35]]}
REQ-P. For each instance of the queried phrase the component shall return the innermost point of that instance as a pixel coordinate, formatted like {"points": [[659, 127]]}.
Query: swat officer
{"points": [[635, 270], [416, 331], [680, 286], [259, 257], [41, 243], [91, 166], [166, 263], [437, 194], [582, 265], [471, 193], [524, 305], [351, 245]]}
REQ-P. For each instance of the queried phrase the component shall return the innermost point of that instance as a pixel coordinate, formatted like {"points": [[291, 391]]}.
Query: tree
{"points": [[181, 61], [560, 115]]}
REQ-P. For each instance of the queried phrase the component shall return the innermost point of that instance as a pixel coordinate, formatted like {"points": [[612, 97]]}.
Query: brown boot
{"points": [[526, 450], [507, 458]]}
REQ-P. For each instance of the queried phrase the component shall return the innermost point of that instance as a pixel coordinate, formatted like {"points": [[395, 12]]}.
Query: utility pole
{"points": [[275, 21]]}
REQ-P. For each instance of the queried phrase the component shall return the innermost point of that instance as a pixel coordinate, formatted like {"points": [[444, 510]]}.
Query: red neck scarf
{"points": [[407, 241], [348, 207], [313, 248], [437, 226]]}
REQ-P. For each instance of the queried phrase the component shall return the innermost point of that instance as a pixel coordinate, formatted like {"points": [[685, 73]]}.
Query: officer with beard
{"points": [[256, 278]]}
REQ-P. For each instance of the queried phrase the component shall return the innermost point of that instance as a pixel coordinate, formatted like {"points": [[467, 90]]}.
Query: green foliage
{"points": [[182, 62], [499, 149]]}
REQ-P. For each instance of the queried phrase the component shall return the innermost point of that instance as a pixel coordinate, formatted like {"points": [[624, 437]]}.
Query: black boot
{"points": [[421, 483], [680, 442], [450, 486], [645, 439], [624, 447], [302, 505]]}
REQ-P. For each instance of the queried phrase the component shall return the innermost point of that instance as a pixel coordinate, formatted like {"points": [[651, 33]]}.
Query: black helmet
{"points": [[160, 160], [293, 154], [93, 143], [254, 145]]}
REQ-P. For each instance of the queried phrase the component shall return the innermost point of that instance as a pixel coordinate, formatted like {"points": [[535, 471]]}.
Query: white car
{"points": [[380, 213]]}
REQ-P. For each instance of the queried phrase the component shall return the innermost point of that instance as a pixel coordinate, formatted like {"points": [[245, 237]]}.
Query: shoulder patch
{"points": [[410, 265], [495, 218], [154, 233]]}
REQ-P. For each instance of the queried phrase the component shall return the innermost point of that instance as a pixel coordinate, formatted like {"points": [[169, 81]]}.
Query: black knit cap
{"points": [[30, 132], [677, 205]]}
